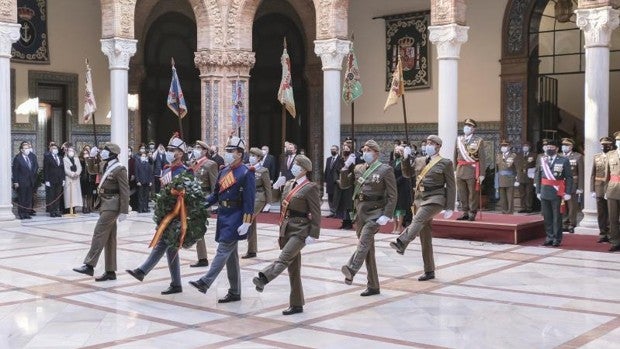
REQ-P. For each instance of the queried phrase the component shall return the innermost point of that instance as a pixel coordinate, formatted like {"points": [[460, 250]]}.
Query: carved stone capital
{"points": [[448, 39], [232, 61], [448, 11], [332, 52], [119, 51], [597, 25], [9, 33]]}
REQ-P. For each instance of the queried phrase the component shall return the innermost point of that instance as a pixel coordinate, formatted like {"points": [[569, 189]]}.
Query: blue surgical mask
{"points": [[253, 160], [504, 149], [566, 149], [526, 149], [229, 158], [467, 130], [430, 150], [197, 153], [169, 157], [105, 154], [296, 170], [618, 144], [368, 157]]}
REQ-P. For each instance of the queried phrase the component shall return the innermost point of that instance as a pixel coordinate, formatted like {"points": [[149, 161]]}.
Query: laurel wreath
{"points": [[195, 204]]}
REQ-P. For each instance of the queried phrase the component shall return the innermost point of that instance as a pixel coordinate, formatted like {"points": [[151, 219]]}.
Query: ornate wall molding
{"points": [[516, 27], [515, 96], [597, 25], [332, 52], [448, 39], [9, 33], [447, 12], [215, 22], [119, 51], [8, 11], [236, 62]]}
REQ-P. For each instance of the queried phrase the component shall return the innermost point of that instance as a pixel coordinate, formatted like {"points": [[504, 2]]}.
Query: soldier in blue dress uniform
{"points": [[234, 191]]}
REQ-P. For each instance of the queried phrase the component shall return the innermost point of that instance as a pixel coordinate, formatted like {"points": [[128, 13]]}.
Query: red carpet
{"points": [[570, 242]]}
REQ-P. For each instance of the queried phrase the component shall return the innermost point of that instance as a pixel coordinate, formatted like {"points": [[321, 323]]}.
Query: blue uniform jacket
{"points": [[237, 185]]}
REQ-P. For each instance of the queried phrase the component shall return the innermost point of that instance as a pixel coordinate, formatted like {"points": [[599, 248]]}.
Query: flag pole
{"points": [[352, 108], [283, 124], [95, 130], [404, 105], [178, 97], [237, 87]]}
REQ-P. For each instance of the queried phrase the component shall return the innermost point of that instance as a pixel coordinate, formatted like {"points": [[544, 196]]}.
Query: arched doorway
{"points": [[265, 110], [171, 35]]}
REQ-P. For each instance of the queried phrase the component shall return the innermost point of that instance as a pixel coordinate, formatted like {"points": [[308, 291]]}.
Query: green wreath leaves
{"points": [[195, 204]]}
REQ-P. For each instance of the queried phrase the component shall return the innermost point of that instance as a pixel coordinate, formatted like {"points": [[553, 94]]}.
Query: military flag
{"points": [[176, 101], [285, 93], [90, 105], [397, 87], [352, 86]]}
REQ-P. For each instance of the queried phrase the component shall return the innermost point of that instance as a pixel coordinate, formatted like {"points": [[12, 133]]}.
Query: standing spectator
{"points": [[569, 220], [262, 197], [87, 181], [144, 181], [289, 160], [131, 167], [598, 184], [159, 161], [73, 169], [506, 163], [403, 188], [527, 171], [215, 156], [343, 193], [333, 164], [269, 162], [24, 178], [54, 177]]}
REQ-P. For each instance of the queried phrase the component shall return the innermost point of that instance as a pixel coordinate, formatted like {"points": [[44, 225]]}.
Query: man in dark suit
{"points": [[269, 162], [554, 183], [54, 177], [331, 174], [159, 161], [216, 157], [24, 178]]}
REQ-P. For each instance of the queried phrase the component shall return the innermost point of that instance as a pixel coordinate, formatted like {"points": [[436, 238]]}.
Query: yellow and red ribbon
{"points": [[179, 211]]}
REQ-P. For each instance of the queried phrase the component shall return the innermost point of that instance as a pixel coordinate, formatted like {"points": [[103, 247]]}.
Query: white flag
{"points": [[90, 106]]}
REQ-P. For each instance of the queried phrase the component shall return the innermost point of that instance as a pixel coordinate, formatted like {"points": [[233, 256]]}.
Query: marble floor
{"points": [[485, 296]]}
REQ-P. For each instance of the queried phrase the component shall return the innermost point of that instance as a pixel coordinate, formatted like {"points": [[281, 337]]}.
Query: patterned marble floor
{"points": [[485, 296]]}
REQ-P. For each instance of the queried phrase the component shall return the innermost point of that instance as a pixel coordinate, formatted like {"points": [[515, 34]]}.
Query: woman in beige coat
{"points": [[72, 190]]}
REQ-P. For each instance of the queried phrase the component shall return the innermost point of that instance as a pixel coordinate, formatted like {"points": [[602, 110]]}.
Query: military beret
{"points": [[435, 139], [256, 152], [304, 162], [504, 142], [568, 141], [548, 141], [202, 144], [113, 148], [372, 145], [471, 122], [235, 143], [617, 135], [607, 140]]}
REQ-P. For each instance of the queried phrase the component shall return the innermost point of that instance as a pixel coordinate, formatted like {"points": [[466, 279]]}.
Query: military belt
{"points": [[230, 203], [364, 197], [297, 214], [108, 191], [423, 188]]}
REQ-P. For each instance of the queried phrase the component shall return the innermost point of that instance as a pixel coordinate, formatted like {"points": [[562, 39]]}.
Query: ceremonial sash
{"points": [[107, 173], [287, 200], [468, 161], [463, 151], [180, 211], [362, 179], [558, 184], [426, 169]]}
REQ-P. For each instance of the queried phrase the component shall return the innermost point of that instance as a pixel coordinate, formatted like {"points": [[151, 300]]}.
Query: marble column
{"points": [[448, 38], [119, 52], [332, 52], [9, 33], [597, 25]]}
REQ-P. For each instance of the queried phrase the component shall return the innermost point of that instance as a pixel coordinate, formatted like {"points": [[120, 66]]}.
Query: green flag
{"points": [[352, 86]]}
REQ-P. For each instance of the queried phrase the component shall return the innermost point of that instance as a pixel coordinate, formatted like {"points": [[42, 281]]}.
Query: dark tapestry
{"points": [[32, 46], [407, 34]]}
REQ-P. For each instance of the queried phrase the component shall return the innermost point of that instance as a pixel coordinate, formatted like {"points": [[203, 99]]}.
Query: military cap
{"points": [[435, 139], [151, 142], [304, 162], [202, 144], [504, 142], [528, 143], [548, 141], [113, 148], [617, 135], [568, 141], [372, 145], [235, 143], [176, 143], [471, 122], [256, 152], [607, 140]]}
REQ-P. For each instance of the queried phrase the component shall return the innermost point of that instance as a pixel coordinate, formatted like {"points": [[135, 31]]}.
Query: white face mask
{"points": [[229, 158], [197, 153], [70, 153], [526, 149], [430, 150], [296, 170], [55, 151], [169, 157], [265, 152], [618, 144], [253, 160], [566, 148], [467, 130], [368, 157], [27, 150], [504, 149], [105, 154], [143, 158]]}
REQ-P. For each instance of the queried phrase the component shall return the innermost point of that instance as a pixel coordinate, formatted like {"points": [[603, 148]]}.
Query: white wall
{"points": [[479, 68]]}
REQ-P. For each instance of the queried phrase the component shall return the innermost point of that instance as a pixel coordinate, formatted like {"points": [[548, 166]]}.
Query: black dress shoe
{"points": [[348, 274], [137, 273], [27, 217], [523, 211], [230, 298], [427, 276], [249, 255], [200, 285], [603, 239], [556, 244], [203, 262], [346, 225], [471, 218], [398, 246], [370, 292], [547, 243], [463, 217], [85, 269], [293, 310], [330, 216], [33, 213], [108, 275], [260, 281], [614, 248], [172, 290]]}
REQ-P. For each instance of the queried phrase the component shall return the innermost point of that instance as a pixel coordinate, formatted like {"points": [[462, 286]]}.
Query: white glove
{"points": [[593, 194], [122, 217], [93, 152], [350, 160], [280, 182], [447, 214], [63, 183], [578, 191], [243, 229], [47, 184], [310, 240], [267, 208], [538, 196], [480, 179], [517, 184], [16, 185], [383, 220], [139, 184], [566, 197], [406, 152]]}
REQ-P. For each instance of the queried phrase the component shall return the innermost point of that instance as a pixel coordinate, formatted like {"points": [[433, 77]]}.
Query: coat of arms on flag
{"points": [[176, 101], [352, 86], [90, 105], [285, 93], [396, 87]]}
